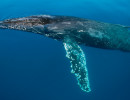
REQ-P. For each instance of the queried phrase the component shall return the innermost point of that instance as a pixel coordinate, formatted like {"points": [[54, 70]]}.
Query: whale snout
{"points": [[22, 21], [35, 24], [26, 22], [2, 25]]}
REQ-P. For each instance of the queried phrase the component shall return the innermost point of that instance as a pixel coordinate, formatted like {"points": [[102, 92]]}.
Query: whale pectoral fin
{"points": [[78, 63]]}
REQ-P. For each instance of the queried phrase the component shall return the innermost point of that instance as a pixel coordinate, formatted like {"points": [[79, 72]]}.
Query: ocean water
{"points": [[34, 67]]}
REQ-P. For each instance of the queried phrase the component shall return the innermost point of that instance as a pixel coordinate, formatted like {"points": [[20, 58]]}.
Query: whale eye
{"points": [[46, 20]]}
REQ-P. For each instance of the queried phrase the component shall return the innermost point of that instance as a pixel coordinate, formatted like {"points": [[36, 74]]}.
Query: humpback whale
{"points": [[74, 31]]}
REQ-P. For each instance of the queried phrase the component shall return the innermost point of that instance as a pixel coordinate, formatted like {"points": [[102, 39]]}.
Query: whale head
{"points": [[50, 26], [34, 24]]}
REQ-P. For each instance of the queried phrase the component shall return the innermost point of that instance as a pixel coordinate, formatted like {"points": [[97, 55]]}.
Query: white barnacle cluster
{"points": [[16, 26], [1, 26], [78, 63], [11, 27]]}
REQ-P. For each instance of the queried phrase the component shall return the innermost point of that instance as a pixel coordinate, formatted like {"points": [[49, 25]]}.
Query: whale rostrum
{"points": [[73, 31]]}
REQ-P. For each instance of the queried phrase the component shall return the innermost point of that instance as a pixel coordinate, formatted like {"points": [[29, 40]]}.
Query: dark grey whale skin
{"points": [[83, 31]]}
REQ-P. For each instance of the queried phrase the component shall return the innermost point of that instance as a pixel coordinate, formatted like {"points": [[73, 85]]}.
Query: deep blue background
{"points": [[34, 67]]}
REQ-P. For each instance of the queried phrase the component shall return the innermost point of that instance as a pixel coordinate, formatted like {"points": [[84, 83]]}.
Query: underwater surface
{"points": [[34, 67]]}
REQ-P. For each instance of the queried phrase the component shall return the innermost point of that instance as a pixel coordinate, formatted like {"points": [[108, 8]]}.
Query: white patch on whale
{"points": [[95, 33]]}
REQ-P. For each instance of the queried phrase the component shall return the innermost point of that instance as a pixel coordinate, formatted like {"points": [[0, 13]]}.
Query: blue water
{"points": [[34, 67]]}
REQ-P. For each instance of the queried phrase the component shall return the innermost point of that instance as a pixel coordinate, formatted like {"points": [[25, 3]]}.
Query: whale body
{"points": [[73, 31]]}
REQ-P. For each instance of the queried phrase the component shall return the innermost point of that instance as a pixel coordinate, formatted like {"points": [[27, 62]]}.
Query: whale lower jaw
{"points": [[4, 26], [1, 25]]}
